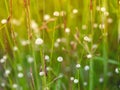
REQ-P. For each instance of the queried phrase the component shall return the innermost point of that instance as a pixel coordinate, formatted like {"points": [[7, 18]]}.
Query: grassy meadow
{"points": [[59, 44]]}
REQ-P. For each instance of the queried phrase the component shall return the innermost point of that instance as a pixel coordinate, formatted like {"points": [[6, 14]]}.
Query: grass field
{"points": [[59, 45]]}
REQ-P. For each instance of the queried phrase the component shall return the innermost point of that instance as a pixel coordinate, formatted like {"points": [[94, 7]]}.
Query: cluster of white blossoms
{"points": [[84, 27], [15, 86], [101, 79], [85, 83], [15, 22], [15, 48], [86, 68], [59, 58], [117, 70], [3, 59], [34, 26], [39, 41], [7, 72]]}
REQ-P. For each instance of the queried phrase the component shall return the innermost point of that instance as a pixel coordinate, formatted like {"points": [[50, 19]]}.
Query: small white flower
{"points": [[19, 67], [94, 46], [2, 84], [101, 80], [56, 13], [30, 59], [56, 44], [4, 21], [34, 25], [15, 48], [16, 22], [58, 40], [95, 25], [76, 81], [85, 83], [5, 57], [39, 41], [84, 27], [71, 78], [78, 65], [59, 59], [116, 70], [109, 20], [86, 38], [7, 72], [48, 68], [67, 30], [98, 8], [86, 68], [14, 85], [106, 13], [41, 73], [47, 58], [103, 9], [46, 17], [89, 56], [20, 75], [2, 60], [75, 11]]}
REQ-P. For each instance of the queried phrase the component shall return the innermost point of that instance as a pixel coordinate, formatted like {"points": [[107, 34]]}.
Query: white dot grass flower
{"points": [[60, 59], [85, 83], [88, 39], [15, 85], [7, 72], [2, 84], [89, 56], [84, 27], [47, 58], [67, 30], [19, 68], [98, 8], [76, 81], [116, 70], [86, 68], [78, 65], [4, 21], [75, 11], [46, 17], [71, 78], [103, 9], [101, 26], [56, 13], [41, 73], [101, 80], [39, 41], [15, 48], [110, 20], [95, 25], [30, 59], [25, 42], [106, 13], [20, 75]]}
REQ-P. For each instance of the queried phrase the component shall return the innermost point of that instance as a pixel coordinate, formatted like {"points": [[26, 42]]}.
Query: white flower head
{"points": [[88, 39], [30, 59], [116, 70], [41, 73], [14, 85], [86, 68], [85, 83], [47, 58], [7, 72], [60, 59], [4, 21], [46, 17], [101, 26], [39, 41], [78, 65], [15, 48], [110, 20], [89, 56], [67, 30], [75, 11], [20, 75], [76, 81], [101, 80], [56, 13], [84, 27], [103, 9], [95, 25], [71, 78], [2, 84]]}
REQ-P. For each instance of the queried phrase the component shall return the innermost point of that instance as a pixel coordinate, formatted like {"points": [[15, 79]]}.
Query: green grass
{"points": [[43, 42]]}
